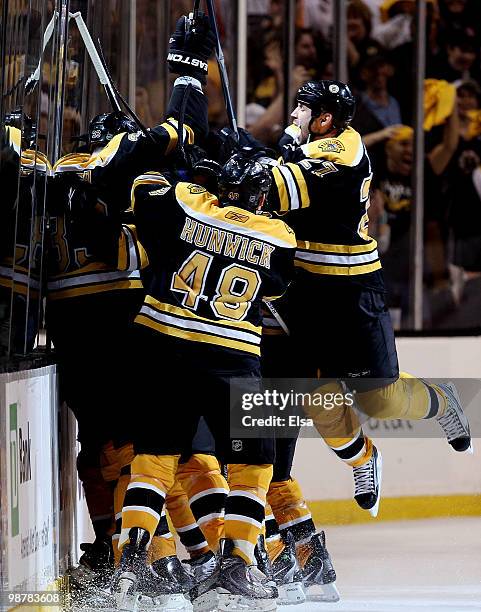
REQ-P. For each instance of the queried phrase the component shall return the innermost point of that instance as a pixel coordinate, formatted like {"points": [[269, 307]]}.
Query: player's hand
{"points": [[245, 143], [191, 46]]}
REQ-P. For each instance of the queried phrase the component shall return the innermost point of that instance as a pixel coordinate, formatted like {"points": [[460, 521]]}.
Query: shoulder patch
{"points": [[160, 192], [235, 216], [331, 145], [135, 136], [196, 189]]}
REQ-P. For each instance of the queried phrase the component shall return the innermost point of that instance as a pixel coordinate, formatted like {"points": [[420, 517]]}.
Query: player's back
{"points": [[212, 265]]}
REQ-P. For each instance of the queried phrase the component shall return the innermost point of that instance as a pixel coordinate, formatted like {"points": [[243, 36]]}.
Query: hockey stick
{"points": [[233, 120], [34, 78], [96, 61], [132, 113], [224, 77]]}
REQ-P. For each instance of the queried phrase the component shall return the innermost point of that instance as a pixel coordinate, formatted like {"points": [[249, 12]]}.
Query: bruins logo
{"points": [[331, 146], [196, 189]]}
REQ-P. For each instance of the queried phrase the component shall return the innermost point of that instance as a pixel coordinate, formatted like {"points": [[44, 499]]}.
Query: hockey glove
{"points": [[191, 46], [246, 144]]}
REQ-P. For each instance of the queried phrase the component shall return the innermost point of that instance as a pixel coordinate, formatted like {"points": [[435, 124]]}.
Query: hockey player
{"points": [[323, 188], [213, 263]]}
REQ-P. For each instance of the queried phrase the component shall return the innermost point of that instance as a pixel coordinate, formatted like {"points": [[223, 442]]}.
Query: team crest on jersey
{"points": [[196, 189], [331, 146], [235, 216], [134, 137]]}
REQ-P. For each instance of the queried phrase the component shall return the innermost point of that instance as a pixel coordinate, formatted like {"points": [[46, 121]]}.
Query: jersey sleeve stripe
{"points": [[301, 184], [281, 189], [294, 202]]}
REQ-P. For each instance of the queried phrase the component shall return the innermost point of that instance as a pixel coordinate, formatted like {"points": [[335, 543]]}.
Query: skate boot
{"points": [[454, 422], [233, 587], [201, 567], [135, 585], [367, 483], [95, 567], [287, 574], [262, 559], [317, 569]]}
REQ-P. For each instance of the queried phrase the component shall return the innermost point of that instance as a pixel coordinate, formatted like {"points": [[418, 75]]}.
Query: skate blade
{"points": [[329, 594], [165, 603], [291, 594], [215, 601], [126, 597], [375, 509]]}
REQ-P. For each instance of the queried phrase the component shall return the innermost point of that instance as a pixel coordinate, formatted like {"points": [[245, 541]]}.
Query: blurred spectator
{"points": [[397, 16], [378, 114], [459, 15], [392, 182], [318, 15], [458, 61], [464, 190], [360, 45], [403, 58]]}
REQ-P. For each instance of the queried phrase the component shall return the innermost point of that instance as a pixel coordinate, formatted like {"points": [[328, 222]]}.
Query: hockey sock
{"points": [[125, 456], [245, 506], [274, 543], [189, 532], [206, 489], [152, 476], [340, 427], [163, 542], [290, 509], [98, 494], [408, 398]]}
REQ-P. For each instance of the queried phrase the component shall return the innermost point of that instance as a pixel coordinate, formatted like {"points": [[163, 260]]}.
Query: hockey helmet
{"points": [[104, 127], [332, 97], [243, 182], [25, 124]]}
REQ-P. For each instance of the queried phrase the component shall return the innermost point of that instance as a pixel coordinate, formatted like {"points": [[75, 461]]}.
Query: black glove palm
{"points": [[191, 46]]}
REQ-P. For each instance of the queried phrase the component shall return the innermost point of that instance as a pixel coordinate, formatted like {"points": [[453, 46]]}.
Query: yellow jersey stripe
{"points": [[172, 132], [93, 289], [338, 248], [338, 270], [197, 336], [301, 183], [188, 314]]}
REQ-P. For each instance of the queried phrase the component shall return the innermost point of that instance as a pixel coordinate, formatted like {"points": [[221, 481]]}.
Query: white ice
{"points": [[410, 566]]}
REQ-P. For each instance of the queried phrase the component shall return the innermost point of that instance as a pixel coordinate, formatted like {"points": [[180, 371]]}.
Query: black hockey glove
{"points": [[191, 46], [246, 144]]}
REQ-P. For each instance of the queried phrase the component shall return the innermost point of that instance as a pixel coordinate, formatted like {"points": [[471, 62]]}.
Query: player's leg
{"points": [[249, 474], [152, 471]]}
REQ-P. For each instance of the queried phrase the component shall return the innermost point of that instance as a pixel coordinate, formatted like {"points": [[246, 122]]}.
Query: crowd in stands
{"points": [[381, 64]]}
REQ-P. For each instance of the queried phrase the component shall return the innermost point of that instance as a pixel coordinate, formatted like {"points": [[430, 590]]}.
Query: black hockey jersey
{"points": [[91, 250], [324, 188], [24, 222], [212, 265]]}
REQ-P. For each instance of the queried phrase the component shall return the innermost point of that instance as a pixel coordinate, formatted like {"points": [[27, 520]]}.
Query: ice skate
{"points": [[262, 558], [367, 483], [95, 567], [317, 569], [136, 586], [454, 422], [201, 567], [288, 575], [234, 587]]}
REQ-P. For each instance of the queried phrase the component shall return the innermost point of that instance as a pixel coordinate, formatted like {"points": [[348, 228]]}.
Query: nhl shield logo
{"points": [[237, 445]]}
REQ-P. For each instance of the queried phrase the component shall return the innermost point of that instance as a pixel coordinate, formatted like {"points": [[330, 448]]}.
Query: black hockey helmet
{"points": [[332, 97], [206, 172], [104, 127], [18, 119], [243, 182]]}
